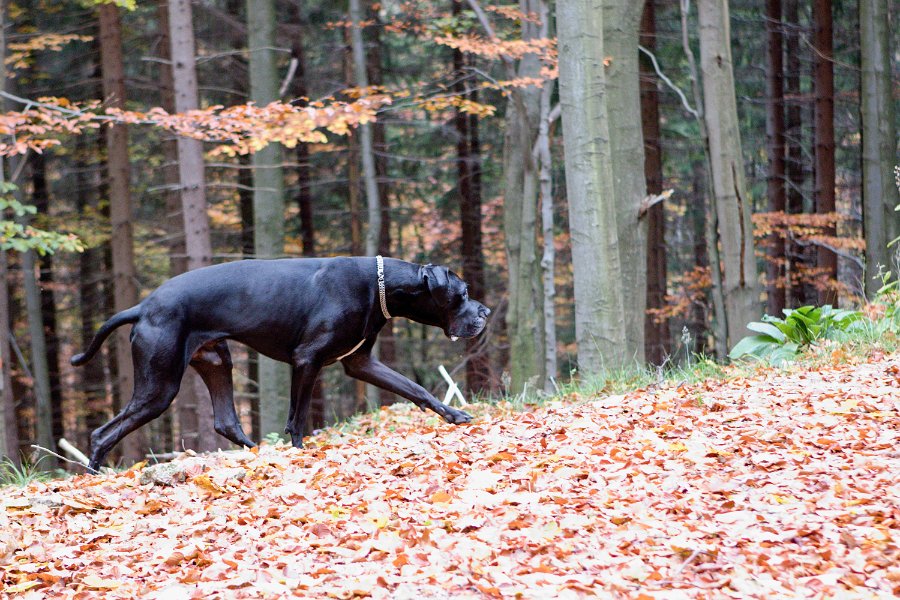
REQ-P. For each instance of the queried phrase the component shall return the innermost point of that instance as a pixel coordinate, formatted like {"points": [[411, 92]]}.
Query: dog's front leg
{"points": [[366, 368], [303, 379]]}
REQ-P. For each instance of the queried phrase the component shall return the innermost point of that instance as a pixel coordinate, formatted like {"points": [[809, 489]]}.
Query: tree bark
{"points": [[195, 411], [40, 369], [775, 266], [733, 205], [268, 201], [600, 329], [370, 183], [41, 201], [468, 177], [657, 340], [10, 430], [524, 317], [9, 442], [794, 141], [93, 405], [119, 179], [621, 22], [823, 61], [879, 140]]}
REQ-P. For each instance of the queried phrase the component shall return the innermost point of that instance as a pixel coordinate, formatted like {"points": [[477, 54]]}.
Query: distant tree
{"points": [[879, 139], [657, 341], [468, 177], [732, 204], [823, 76], [775, 146], [268, 199], [195, 414], [119, 184]]}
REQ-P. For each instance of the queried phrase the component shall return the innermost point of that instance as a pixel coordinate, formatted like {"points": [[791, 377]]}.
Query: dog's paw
{"points": [[457, 416]]}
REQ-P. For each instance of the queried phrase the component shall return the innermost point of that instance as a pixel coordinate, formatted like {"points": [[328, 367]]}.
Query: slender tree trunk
{"points": [[775, 267], [621, 22], [878, 108], [524, 317], [658, 342], [710, 219], [548, 257], [93, 407], [697, 324], [39, 366], [600, 330], [41, 201], [119, 177], [387, 352], [367, 154], [268, 201], [9, 442], [196, 422], [733, 205], [304, 171], [468, 173], [794, 141], [10, 430], [825, 169], [370, 183], [544, 159]]}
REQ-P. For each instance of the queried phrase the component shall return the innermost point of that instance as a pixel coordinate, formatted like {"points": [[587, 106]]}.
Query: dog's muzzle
{"points": [[469, 328]]}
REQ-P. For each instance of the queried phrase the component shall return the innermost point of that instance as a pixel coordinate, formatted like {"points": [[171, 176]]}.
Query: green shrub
{"points": [[780, 340]]}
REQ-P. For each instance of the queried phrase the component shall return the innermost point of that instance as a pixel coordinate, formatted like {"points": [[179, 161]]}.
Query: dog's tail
{"points": [[130, 315]]}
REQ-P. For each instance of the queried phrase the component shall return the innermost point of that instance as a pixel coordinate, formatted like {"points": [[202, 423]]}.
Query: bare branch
{"points": [[668, 82]]}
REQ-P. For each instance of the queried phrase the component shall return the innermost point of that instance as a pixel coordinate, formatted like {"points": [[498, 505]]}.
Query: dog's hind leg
{"points": [[157, 377], [213, 363]]}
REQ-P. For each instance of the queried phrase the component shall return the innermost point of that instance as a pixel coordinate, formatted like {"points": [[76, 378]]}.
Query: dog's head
{"points": [[460, 316]]}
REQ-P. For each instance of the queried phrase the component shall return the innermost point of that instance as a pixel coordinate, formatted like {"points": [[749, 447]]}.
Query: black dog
{"points": [[307, 312]]}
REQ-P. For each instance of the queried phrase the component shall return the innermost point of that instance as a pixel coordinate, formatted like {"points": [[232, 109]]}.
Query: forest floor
{"points": [[780, 483]]}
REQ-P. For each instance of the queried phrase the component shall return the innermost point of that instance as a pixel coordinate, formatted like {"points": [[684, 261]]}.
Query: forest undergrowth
{"points": [[765, 482]]}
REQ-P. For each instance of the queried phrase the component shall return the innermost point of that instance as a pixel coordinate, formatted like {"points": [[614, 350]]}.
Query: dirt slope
{"points": [[780, 485]]}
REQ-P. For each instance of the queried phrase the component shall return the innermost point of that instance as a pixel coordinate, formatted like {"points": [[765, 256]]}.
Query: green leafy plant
{"points": [[22, 237], [778, 341]]}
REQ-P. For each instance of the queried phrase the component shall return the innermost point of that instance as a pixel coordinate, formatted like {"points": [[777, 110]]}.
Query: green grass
{"points": [[22, 474]]}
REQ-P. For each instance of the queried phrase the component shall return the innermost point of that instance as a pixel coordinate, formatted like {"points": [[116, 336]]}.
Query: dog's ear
{"points": [[438, 280]]}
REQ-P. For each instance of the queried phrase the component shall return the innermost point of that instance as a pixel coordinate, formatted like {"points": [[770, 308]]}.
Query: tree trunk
{"points": [[370, 183], [823, 61], [468, 176], [733, 205], [879, 152], [600, 329], [657, 340], [268, 201], [524, 317], [698, 316], [9, 445], [387, 350], [9, 431], [119, 177], [621, 22], [794, 141], [548, 257], [367, 154], [41, 201], [93, 405], [43, 408], [775, 267], [195, 411]]}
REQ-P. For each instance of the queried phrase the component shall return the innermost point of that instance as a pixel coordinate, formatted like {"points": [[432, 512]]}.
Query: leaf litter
{"points": [[781, 484]]}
